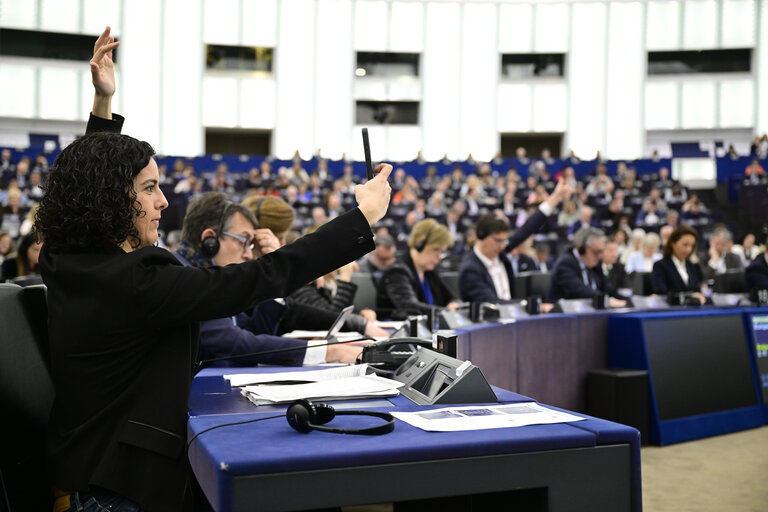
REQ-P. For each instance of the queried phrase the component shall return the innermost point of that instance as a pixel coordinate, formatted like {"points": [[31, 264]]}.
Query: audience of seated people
{"points": [[615, 202]]}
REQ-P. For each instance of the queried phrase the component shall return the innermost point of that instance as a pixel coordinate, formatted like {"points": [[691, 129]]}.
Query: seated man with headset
{"points": [[486, 274], [219, 232], [578, 274]]}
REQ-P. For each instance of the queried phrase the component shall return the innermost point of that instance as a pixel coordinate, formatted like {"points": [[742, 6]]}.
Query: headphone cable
{"points": [[189, 443]]}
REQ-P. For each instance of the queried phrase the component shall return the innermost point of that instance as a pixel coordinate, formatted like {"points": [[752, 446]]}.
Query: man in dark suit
{"points": [[720, 257], [611, 267], [757, 273], [577, 274], [484, 276]]}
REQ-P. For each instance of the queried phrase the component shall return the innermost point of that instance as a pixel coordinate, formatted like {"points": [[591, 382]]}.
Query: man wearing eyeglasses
{"points": [[577, 273], [485, 275], [217, 232]]}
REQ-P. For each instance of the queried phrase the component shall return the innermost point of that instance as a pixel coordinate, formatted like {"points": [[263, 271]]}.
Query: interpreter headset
{"points": [[306, 416], [420, 246], [210, 244]]}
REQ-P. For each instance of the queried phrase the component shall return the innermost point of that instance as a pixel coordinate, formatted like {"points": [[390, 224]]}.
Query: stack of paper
{"points": [[334, 384]]}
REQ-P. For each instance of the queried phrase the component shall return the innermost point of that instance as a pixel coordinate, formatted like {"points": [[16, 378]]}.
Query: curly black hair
{"points": [[89, 202]]}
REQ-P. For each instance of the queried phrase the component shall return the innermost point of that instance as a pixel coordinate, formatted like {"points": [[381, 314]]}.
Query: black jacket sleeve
{"points": [[312, 296], [99, 124], [398, 286], [531, 225]]}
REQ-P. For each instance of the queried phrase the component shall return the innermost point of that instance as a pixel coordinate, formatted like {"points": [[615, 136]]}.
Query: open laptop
{"points": [[338, 324]]}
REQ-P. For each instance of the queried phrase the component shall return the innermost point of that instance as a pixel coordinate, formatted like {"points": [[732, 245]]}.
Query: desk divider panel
{"points": [[700, 368]]}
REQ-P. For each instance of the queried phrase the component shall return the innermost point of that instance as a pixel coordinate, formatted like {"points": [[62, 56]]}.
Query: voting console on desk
{"points": [[434, 378]]}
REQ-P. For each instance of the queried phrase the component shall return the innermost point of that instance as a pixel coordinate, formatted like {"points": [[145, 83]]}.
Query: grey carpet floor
{"points": [[726, 473]]}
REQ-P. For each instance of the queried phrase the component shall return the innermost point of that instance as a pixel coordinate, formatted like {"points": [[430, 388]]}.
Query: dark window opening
{"points": [[387, 112], [387, 64], [532, 142], [48, 45], [705, 61], [239, 58], [532, 65], [237, 141]]}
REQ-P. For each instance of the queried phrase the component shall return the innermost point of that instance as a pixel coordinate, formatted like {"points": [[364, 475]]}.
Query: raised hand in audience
{"points": [[373, 197], [562, 191], [103, 74]]}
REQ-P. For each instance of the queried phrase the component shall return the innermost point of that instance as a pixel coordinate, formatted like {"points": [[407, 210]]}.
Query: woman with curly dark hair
{"points": [[123, 315]]}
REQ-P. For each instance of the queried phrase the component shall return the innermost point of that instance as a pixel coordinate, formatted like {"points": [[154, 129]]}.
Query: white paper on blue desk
{"points": [[341, 372], [337, 389], [479, 417]]}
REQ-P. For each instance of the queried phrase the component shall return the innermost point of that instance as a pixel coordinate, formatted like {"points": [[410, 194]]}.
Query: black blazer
{"points": [[568, 283], [665, 278], [757, 274], [617, 275], [475, 283], [124, 338], [400, 294]]}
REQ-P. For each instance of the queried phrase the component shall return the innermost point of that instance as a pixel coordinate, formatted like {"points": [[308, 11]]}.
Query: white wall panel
{"points": [[761, 60], [141, 71], [661, 106], [370, 89], [181, 130], [97, 14], [479, 82], [404, 90], [440, 107], [515, 28], [697, 105], [257, 103], [552, 28], [738, 24], [222, 22], [334, 115], [220, 95], [406, 27], [371, 26], [625, 79], [586, 71], [259, 23], [515, 102], [700, 24], [86, 96], [18, 96], [59, 90], [19, 14], [294, 75], [736, 104], [378, 136], [662, 31], [403, 142], [550, 106], [60, 15]]}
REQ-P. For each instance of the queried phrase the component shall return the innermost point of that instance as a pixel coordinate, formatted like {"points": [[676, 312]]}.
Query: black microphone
{"points": [[279, 350]]}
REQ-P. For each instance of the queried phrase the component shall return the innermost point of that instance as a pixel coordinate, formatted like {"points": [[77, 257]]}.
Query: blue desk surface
{"points": [[272, 446]]}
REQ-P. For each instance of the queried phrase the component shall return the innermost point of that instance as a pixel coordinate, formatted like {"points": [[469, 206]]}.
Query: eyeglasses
{"points": [[247, 242]]}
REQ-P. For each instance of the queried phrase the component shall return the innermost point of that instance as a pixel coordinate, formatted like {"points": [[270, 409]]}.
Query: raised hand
{"points": [[102, 67], [373, 197], [562, 192]]}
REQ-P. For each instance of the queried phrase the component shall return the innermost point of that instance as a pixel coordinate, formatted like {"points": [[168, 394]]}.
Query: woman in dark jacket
{"points": [[675, 272], [413, 284], [123, 315], [25, 263]]}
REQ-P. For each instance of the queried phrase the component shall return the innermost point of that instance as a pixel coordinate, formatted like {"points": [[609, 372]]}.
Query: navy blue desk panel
{"points": [[760, 361], [589, 465], [702, 381]]}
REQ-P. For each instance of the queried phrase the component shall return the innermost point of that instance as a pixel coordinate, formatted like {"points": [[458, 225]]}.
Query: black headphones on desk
{"points": [[306, 416]]}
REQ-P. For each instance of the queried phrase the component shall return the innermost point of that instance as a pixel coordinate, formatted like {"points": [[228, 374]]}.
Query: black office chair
{"points": [[26, 396], [538, 283], [365, 296], [641, 283], [451, 280], [732, 281], [30, 280]]}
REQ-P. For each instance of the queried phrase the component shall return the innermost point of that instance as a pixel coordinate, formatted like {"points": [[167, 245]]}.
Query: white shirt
{"points": [[680, 266], [637, 262], [498, 274]]}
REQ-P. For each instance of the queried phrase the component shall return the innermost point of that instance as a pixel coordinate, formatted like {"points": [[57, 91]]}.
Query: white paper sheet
{"points": [[334, 389], [340, 372], [453, 419]]}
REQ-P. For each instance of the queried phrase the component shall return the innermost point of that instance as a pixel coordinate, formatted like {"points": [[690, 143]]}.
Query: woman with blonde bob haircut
{"points": [[413, 284], [273, 213]]}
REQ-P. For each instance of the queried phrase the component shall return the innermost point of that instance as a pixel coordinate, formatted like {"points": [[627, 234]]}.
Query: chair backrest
{"points": [[538, 283], [641, 283], [732, 281], [30, 280], [365, 296], [451, 280], [26, 396]]}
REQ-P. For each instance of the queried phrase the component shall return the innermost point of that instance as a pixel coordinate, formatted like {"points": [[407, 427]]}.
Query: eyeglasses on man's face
{"points": [[247, 242]]}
